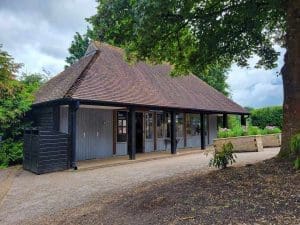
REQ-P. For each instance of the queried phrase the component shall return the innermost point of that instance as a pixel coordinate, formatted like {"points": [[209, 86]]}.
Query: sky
{"points": [[38, 34]]}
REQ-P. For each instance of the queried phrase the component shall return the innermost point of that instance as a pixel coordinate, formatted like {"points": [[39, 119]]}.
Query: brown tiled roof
{"points": [[105, 76], [58, 86]]}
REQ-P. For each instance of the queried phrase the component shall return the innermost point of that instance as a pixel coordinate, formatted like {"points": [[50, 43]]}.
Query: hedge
{"points": [[269, 116]]}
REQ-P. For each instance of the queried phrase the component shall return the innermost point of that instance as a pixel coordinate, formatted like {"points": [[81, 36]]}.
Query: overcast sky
{"points": [[38, 33]]}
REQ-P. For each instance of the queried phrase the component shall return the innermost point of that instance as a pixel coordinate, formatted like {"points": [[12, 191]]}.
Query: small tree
{"points": [[78, 48], [16, 98], [224, 157]]}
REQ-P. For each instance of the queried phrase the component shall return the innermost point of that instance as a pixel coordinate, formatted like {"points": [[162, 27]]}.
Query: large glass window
{"points": [[160, 125], [122, 126], [149, 125], [193, 124], [179, 125], [168, 122]]}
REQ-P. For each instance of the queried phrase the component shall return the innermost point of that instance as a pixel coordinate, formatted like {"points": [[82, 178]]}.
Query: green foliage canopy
{"points": [[192, 33], [78, 47], [268, 116], [115, 23], [16, 98]]}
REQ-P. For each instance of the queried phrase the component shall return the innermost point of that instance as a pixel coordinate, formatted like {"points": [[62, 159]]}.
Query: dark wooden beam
{"points": [[243, 120], [155, 130], [73, 107], [225, 120], [131, 142], [115, 131], [173, 133], [202, 131], [66, 101], [184, 129]]}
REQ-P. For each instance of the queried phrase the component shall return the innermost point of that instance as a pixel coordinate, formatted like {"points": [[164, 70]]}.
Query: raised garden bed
{"points": [[251, 143], [271, 140]]}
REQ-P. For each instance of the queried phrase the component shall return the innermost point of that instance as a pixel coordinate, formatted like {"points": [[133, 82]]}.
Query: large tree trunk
{"points": [[291, 77]]}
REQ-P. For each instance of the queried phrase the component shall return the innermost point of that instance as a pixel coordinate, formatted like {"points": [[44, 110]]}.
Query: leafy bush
{"points": [[244, 131], [271, 130], [253, 130], [11, 152], [267, 116], [16, 97], [295, 150], [222, 158]]}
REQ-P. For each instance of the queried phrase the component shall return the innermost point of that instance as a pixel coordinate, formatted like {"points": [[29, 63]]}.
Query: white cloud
{"points": [[39, 33], [256, 87]]}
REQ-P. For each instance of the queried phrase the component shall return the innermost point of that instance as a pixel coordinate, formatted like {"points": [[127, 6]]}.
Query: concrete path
{"points": [[35, 195]]}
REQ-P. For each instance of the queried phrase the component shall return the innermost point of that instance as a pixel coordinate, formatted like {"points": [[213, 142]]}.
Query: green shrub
{"points": [[253, 130], [269, 116], [11, 152], [295, 150], [271, 130], [222, 158], [245, 131]]}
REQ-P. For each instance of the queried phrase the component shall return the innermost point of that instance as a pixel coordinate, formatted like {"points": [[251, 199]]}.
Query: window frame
{"points": [[122, 131]]}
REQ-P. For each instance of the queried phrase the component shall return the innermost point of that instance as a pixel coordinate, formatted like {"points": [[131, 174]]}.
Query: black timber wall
{"points": [[45, 148], [46, 118]]}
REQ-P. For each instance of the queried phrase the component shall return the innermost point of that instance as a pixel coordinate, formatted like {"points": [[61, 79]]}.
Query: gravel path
{"points": [[32, 196]]}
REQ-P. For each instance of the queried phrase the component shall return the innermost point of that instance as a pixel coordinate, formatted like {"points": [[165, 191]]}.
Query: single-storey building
{"points": [[103, 106]]}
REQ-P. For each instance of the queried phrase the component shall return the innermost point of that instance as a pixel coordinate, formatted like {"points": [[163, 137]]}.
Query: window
{"points": [[149, 125], [193, 124], [160, 125], [179, 125], [122, 126], [168, 122]]}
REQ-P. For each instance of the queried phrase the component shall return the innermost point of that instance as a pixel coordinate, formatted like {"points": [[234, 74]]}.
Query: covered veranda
{"points": [[74, 105]]}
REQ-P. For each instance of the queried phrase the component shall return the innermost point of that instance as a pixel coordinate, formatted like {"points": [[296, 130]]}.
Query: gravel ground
{"points": [[32, 196]]}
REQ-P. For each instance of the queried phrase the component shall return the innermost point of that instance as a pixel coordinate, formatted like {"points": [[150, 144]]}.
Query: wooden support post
{"points": [[173, 133], [225, 120], [73, 107], [115, 131], [155, 130], [131, 142], [202, 130], [243, 120], [185, 129]]}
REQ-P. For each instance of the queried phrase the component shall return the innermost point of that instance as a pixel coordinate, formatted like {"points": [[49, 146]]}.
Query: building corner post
{"points": [[73, 107], [225, 120], [243, 120], [202, 131], [173, 133], [131, 142]]}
